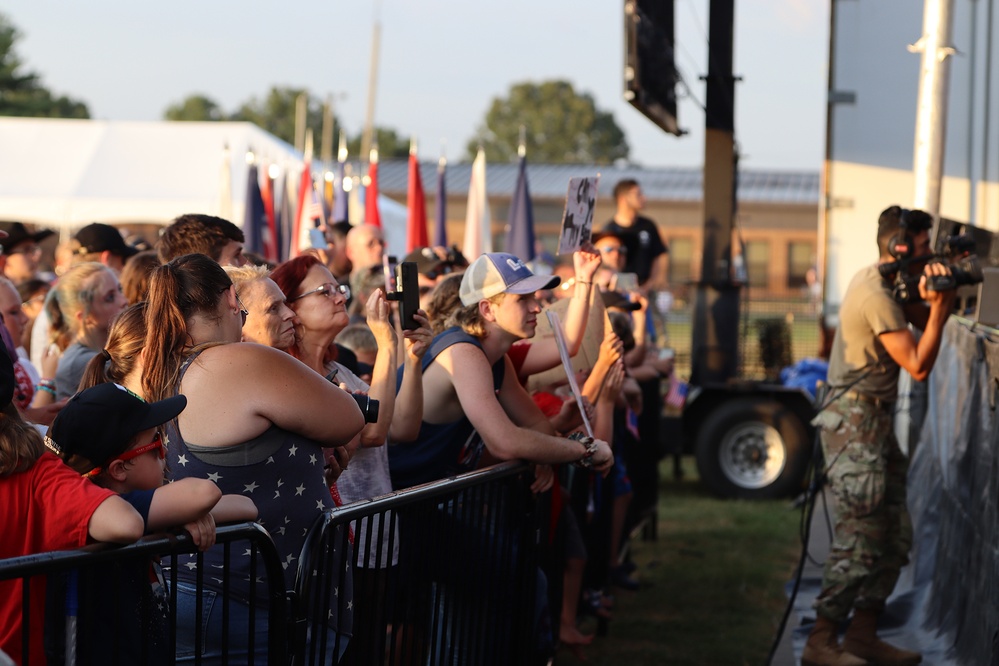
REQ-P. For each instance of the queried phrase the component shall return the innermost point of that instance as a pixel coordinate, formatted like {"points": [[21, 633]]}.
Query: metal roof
{"points": [[550, 181]]}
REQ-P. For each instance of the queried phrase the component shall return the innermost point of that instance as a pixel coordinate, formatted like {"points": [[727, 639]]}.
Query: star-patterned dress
{"points": [[282, 472]]}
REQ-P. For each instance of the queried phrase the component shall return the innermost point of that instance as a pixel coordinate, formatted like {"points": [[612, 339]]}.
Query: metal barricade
{"points": [[99, 609], [451, 572], [443, 573]]}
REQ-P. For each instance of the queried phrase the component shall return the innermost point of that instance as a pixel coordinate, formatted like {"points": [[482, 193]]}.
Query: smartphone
{"points": [[317, 238], [389, 268], [626, 282], [408, 287]]}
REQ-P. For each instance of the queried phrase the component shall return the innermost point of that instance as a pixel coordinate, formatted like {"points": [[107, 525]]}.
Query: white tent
{"points": [[67, 173]]}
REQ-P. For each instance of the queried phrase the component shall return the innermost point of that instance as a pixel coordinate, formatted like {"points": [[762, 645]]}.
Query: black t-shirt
{"points": [[643, 243]]}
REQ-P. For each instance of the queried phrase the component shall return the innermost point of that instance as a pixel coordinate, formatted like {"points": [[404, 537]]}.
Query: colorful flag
{"points": [[440, 228], [341, 210], [416, 219], [676, 397], [478, 226], [285, 215], [371, 214], [255, 216], [309, 213], [520, 226], [270, 237]]}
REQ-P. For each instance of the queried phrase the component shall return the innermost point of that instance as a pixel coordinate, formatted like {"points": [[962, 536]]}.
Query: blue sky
{"points": [[441, 63]]}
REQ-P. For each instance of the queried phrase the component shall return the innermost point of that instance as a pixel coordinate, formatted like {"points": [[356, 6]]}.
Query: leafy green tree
{"points": [[195, 107], [276, 113], [390, 145], [561, 126], [21, 92]]}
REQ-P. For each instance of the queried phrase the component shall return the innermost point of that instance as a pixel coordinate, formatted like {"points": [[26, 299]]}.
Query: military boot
{"points": [[862, 639], [822, 648]]}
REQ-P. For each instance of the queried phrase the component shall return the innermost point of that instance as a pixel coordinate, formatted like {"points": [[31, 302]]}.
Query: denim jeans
{"points": [[240, 633]]}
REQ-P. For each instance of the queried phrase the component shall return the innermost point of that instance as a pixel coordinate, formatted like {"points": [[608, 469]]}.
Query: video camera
{"points": [[956, 251]]}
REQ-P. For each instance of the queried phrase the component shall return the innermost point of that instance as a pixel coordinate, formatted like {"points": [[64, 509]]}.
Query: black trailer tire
{"points": [[753, 448]]}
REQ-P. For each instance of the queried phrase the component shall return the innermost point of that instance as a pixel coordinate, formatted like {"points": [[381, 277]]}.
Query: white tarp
{"points": [[65, 174]]}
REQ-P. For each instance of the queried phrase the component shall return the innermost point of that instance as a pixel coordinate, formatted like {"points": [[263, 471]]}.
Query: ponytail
{"points": [[122, 351], [186, 286]]}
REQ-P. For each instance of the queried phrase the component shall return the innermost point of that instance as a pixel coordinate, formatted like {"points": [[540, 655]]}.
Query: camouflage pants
{"points": [[866, 473]]}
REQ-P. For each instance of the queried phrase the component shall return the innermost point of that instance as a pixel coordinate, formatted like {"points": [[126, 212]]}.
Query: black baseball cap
{"points": [[97, 424], [99, 237], [17, 233], [431, 264]]}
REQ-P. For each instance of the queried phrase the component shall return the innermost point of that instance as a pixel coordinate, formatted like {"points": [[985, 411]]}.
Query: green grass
{"points": [[713, 582]]}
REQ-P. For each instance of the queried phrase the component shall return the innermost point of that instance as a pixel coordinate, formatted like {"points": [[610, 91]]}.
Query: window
{"points": [[758, 262], [800, 258], [681, 256]]}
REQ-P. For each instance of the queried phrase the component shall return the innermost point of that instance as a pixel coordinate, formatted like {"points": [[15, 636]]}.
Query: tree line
{"points": [[560, 125]]}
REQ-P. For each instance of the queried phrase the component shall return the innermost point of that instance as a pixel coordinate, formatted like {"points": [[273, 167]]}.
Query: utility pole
{"points": [[931, 104], [369, 117], [715, 344]]}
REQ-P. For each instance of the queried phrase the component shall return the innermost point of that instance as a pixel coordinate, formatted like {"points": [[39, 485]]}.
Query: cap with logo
{"points": [[98, 423], [501, 273]]}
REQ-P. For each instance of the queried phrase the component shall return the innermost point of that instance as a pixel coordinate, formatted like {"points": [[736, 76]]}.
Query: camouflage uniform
{"points": [[866, 474]]}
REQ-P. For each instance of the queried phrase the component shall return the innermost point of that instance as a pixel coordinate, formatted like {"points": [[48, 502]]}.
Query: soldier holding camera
{"points": [[865, 468]]}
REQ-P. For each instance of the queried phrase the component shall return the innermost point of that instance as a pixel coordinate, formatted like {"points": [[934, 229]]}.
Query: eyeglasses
{"points": [[327, 290], [243, 312], [620, 249]]}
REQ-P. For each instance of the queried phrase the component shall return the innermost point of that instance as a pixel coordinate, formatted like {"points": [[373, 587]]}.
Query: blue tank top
{"points": [[282, 472], [441, 449]]}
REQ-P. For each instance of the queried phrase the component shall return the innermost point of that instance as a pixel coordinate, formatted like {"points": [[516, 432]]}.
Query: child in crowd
{"points": [[112, 437], [46, 506]]}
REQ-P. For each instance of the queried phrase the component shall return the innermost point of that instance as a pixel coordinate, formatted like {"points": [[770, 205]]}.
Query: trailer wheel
{"points": [[753, 448]]}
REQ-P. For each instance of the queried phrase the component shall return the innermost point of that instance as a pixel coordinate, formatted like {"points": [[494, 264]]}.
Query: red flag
{"points": [[267, 194], [371, 214], [416, 220], [309, 216]]}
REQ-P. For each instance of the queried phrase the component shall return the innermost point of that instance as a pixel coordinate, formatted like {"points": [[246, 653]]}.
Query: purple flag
{"points": [[254, 217], [440, 227], [520, 226]]}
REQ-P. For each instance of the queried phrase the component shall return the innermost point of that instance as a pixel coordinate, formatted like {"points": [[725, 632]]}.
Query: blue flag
{"points": [[254, 216], [440, 227], [520, 226], [341, 213]]}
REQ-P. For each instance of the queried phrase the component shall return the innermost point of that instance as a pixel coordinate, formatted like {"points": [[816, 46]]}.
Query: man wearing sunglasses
{"points": [[21, 251]]}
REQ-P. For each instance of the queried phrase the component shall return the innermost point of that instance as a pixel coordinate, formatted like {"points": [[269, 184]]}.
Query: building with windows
{"points": [[777, 214]]}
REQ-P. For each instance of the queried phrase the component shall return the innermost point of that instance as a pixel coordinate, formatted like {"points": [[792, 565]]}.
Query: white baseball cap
{"points": [[501, 273]]}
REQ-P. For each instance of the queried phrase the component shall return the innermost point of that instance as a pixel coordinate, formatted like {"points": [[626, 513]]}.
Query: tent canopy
{"points": [[68, 173]]}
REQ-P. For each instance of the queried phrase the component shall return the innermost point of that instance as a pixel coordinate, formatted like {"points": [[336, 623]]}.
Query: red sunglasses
{"points": [[157, 443]]}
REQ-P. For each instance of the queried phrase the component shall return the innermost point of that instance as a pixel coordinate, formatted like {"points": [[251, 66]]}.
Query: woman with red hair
{"points": [[320, 305]]}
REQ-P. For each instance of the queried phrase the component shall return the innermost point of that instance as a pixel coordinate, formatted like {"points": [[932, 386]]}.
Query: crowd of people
{"points": [[252, 389]]}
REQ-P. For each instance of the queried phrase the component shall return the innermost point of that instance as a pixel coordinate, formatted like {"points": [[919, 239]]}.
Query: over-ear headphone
{"points": [[901, 245]]}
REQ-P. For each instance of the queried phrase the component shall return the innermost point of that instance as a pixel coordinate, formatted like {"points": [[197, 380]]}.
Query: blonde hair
{"points": [[243, 275], [75, 293], [122, 350]]}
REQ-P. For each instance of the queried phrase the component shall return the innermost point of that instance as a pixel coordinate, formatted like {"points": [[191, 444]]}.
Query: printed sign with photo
{"points": [[577, 220]]}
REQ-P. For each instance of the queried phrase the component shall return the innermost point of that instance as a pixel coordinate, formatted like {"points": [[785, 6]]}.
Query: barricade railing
{"points": [[98, 573], [449, 572], [443, 573]]}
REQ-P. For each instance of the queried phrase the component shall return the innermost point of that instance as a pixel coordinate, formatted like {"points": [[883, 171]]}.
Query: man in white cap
{"points": [[474, 408]]}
